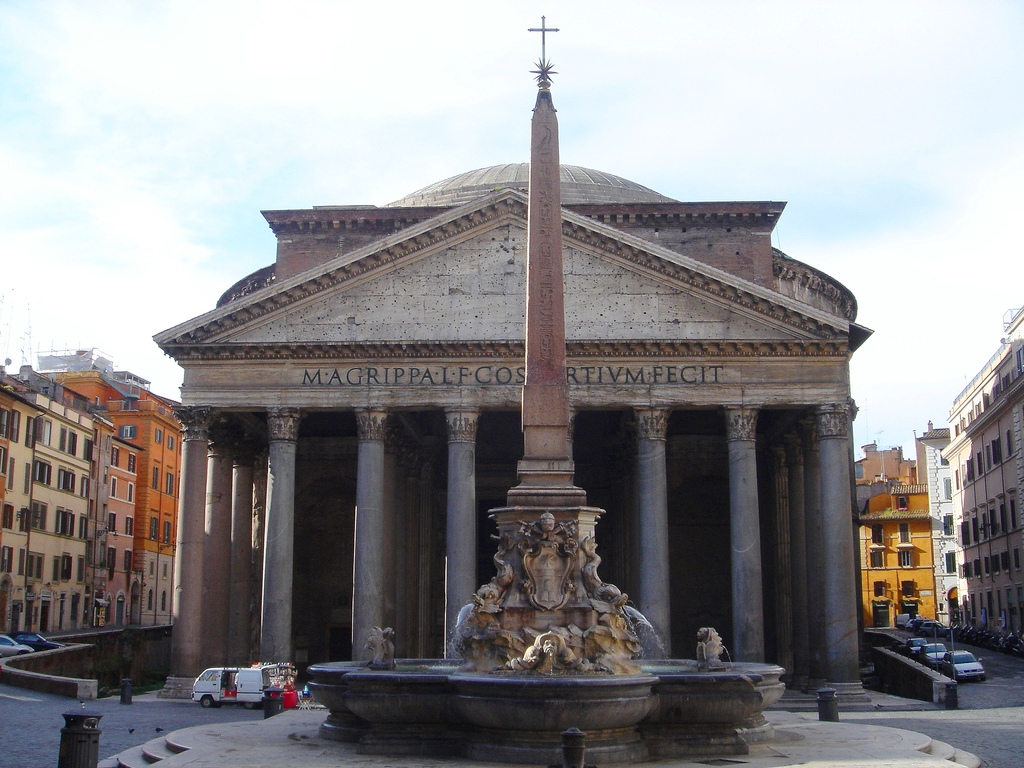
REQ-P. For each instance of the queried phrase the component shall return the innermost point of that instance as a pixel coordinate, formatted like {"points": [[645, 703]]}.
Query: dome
{"points": [[580, 186]]}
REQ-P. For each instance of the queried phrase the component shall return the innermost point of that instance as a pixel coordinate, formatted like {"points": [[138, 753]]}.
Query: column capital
{"points": [[794, 449], [372, 423], [780, 461], [283, 424], [740, 422], [195, 421], [833, 420], [461, 424], [651, 422], [808, 433]]}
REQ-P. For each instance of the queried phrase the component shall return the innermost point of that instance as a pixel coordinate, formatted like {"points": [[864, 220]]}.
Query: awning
{"points": [[101, 601]]}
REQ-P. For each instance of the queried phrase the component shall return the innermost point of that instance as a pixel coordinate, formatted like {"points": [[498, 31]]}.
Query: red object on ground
{"points": [[290, 699]]}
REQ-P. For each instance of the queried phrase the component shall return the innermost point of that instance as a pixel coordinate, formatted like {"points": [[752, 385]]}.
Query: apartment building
{"points": [[987, 466], [934, 472]]}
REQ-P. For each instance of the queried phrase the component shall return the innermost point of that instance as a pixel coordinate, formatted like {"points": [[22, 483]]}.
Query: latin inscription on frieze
{"points": [[504, 375]]}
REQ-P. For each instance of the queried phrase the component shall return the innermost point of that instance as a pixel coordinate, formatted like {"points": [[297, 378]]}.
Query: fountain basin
{"points": [[673, 708]]}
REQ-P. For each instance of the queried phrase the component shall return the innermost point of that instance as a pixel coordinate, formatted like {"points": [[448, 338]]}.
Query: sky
{"points": [[139, 142]]}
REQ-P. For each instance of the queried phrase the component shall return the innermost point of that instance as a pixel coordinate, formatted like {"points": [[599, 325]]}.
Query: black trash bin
{"points": [[273, 703], [126, 690], [80, 740]]}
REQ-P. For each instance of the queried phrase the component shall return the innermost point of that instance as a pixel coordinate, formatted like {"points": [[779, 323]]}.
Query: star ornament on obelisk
{"points": [[546, 470]]}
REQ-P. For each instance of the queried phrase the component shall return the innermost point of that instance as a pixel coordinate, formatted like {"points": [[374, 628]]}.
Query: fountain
{"points": [[547, 645]]}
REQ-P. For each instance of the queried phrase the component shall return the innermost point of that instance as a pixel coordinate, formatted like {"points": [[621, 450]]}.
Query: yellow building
{"points": [[897, 573]]}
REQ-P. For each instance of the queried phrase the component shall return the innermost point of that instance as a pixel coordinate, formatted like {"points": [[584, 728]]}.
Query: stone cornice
{"points": [[504, 350], [459, 224]]}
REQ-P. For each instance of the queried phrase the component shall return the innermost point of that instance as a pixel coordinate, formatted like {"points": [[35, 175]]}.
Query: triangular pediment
{"points": [[460, 277]]}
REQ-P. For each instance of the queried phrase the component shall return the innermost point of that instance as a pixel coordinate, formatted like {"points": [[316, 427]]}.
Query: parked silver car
{"points": [[9, 647], [961, 665]]}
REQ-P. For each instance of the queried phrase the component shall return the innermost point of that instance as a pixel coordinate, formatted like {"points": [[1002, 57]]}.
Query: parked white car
{"points": [[9, 647], [931, 654]]}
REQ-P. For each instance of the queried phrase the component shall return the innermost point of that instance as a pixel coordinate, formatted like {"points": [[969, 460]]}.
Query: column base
{"points": [[177, 688], [849, 693]]}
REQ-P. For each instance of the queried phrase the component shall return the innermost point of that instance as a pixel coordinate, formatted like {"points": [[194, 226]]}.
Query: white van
{"points": [[239, 685]]}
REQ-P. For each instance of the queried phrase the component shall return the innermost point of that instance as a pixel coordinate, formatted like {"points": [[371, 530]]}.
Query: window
{"points": [[995, 563], [115, 456], [163, 597], [904, 533], [967, 569], [131, 492], [127, 431], [1004, 560], [877, 536], [879, 589], [129, 526], [8, 520], [169, 484], [951, 562], [6, 559], [56, 569], [1002, 516], [947, 488], [858, 471], [909, 588], [66, 563], [3, 460], [111, 558], [167, 531], [947, 525], [39, 515], [156, 477], [5, 421], [1016, 558], [65, 479], [1009, 442], [80, 570], [158, 435], [969, 471], [901, 503], [149, 601], [1013, 512], [87, 449], [112, 522], [154, 528], [42, 472], [65, 525], [113, 487], [35, 566], [83, 527], [170, 442], [73, 443], [15, 428], [127, 560], [906, 558], [83, 487], [977, 566], [47, 432], [997, 451], [985, 561], [131, 462], [876, 559]]}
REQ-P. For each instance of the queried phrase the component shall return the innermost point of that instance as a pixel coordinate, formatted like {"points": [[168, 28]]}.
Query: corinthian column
{"points": [[368, 573], [840, 576], [460, 544], [279, 537], [816, 551], [798, 555], [217, 557], [745, 535], [240, 615], [652, 517], [186, 640]]}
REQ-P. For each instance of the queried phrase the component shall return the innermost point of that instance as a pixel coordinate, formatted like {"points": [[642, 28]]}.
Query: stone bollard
{"points": [[828, 705], [79, 740], [574, 747], [952, 695], [126, 690], [273, 704]]}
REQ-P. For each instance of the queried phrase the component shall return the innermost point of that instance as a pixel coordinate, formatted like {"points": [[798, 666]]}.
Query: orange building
{"points": [[897, 573], [147, 431]]}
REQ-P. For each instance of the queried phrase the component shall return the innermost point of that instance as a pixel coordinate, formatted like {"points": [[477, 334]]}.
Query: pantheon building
{"points": [[352, 412]]}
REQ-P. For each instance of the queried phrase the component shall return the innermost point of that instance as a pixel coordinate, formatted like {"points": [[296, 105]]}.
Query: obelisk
{"points": [[545, 471]]}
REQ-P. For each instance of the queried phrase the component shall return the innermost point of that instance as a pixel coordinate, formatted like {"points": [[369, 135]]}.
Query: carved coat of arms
{"points": [[548, 550]]}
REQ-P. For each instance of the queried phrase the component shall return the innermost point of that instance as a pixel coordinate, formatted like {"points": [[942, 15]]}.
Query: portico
{"points": [[375, 382]]}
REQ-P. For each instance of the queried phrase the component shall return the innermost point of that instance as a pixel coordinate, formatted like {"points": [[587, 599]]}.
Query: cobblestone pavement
{"points": [[30, 723]]}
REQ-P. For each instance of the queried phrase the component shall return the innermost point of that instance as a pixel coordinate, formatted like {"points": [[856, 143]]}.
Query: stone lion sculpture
{"points": [[709, 646], [382, 648]]}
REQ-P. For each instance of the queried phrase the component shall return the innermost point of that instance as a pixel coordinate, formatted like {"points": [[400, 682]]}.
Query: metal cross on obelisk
{"points": [[545, 471], [543, 35]]}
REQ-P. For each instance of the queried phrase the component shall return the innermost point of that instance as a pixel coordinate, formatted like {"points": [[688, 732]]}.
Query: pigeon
{"points": [[131, 730], [159, 730]]}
